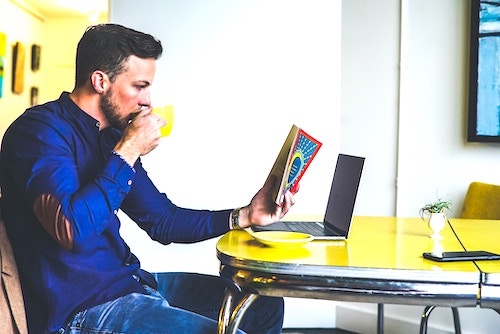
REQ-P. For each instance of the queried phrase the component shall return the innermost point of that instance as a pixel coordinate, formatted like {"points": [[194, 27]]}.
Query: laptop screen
{"points": [[343, 192]]}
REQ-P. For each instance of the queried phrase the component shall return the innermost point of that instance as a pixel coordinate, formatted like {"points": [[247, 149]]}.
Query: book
{"points": [[293, 160]]}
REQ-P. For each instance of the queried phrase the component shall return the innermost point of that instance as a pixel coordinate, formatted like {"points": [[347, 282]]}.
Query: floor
{"points": [[316, 331]]}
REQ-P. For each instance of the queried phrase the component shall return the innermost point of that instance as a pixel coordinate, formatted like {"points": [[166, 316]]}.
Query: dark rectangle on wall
{"points": [[3, 53], [18, 61], [484, 75], [35, 57]]}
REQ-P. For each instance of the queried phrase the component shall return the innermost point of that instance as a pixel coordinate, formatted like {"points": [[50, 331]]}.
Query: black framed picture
{"points": [[35, 57], [484, 76], [34, 96]]}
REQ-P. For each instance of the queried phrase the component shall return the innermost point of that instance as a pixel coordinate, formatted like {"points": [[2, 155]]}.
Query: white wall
{"points": [[239, 74], [369, 98], [59, 53], [433, 155], [409, 61]]}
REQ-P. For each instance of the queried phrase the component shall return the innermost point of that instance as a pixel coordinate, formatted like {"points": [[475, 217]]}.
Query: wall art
{"points": [[484, 76], [35, 57], [3, 52], [18, 63]]}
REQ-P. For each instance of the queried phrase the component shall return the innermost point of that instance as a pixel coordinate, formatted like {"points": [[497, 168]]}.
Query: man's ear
{"points": [[99, 80]]}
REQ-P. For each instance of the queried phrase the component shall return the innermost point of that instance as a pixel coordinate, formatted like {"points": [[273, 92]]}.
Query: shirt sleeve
{"points": [[166, 222]]}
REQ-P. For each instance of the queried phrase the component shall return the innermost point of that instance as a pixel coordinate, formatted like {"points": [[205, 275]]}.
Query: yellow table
{"points": [[381, 262], [483, 235]]}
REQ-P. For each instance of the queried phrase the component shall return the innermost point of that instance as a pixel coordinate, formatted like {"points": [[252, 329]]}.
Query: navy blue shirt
{"points": [[62, 186]]}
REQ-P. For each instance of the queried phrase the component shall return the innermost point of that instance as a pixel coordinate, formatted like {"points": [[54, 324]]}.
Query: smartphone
{"points": [[461, 256]]}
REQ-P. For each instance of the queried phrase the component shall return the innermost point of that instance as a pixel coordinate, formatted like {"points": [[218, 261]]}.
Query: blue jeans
{"points": [[184, 303]]}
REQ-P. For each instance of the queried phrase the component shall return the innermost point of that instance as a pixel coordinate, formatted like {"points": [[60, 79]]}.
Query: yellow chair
{"points": [[482, 201]]}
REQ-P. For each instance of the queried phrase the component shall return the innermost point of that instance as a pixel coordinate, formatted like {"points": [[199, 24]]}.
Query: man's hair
{"points": [[107, 47]]}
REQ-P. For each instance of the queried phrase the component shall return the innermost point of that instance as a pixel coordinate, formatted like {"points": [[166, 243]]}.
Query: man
{"points": [[66, 169]]}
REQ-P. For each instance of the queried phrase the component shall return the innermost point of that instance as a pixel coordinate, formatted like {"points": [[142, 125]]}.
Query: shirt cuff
{"points": [[123, 159], [120, 171]]}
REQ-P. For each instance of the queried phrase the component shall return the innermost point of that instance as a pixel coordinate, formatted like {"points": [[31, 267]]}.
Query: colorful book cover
{"points": [[293, 160], [303, 152], [3, 51]]}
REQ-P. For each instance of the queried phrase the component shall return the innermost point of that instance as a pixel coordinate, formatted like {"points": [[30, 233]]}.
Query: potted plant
{"points": [[436, 212]]}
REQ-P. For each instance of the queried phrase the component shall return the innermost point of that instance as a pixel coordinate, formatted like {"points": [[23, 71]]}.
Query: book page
{"points": [[281, 164]]}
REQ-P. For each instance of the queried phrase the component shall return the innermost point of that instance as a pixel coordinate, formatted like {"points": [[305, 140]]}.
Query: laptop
{"points": [[340, 207]]}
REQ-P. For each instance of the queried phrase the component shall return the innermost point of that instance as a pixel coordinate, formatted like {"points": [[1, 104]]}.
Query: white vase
{"points": [[437, 222], [437, 248]]}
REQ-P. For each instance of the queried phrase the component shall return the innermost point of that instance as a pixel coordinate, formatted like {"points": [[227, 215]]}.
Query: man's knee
{"points": [[264, 316]]}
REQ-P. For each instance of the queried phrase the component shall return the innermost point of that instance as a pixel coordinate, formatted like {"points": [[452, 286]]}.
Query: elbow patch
{"points": [[48, 211]]}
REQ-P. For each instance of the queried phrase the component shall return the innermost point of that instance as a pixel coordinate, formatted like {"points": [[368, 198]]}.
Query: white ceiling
{"points": [[67, 8]]}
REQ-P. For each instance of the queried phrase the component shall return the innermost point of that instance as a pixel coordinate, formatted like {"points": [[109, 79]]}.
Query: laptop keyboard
{"points": [[306, 227]]}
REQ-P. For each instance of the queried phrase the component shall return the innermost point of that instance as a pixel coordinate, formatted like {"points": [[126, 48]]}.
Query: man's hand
{"points": [[141, 136], [262, 210]]}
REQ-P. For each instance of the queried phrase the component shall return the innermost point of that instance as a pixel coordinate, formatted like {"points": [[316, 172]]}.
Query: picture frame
{"points": [[35, 57], [3, 53], [18, 61], [34, 96], [484, 72]]}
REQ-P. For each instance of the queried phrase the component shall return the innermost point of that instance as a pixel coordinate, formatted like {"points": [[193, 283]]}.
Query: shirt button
{"points": [[98, 124], [115, 211], [129, 182]]}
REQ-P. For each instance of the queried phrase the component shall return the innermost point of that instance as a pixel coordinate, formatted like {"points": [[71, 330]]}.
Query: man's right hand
{"points": [[141, 136]]}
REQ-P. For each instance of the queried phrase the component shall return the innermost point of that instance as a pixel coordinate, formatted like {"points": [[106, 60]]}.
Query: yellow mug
{"points": [[166, 112]]}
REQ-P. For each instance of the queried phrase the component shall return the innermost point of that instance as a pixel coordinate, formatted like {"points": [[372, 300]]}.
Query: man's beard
{"points": [[109, 109]]}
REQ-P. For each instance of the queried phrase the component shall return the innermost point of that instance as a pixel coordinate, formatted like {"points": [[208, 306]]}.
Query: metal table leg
{"points": [[427, 313], [380, 318], [230, 316]]}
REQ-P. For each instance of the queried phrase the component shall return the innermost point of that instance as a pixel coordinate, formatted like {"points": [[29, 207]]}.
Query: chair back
{"points": [[12, 311], [482, 201]]}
